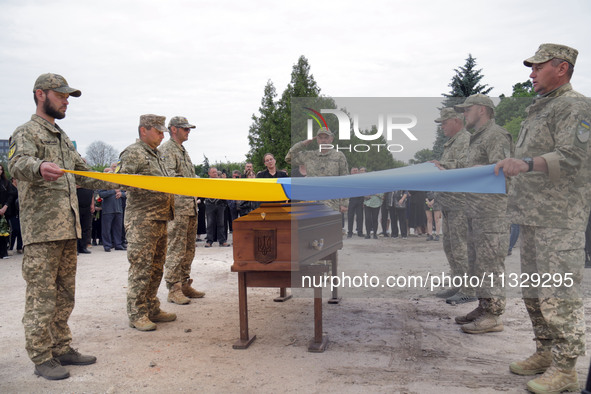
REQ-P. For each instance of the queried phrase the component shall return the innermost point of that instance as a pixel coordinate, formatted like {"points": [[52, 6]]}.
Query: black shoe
{"points": [[72, 357], [368, 236], [107, 249], [394, 236], [51, 370], [350, 235], [93, 242], [120, 248], [375, 236], [85, 251], [208, 244], [225, 245], [360, 234]]}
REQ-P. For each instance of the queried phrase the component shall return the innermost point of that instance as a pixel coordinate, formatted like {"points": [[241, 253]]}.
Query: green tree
{"points": [[464, 83], [422, 156], [264, 134], [202, 169], [374, 161], [283, 122], [511, 110], [270, 131]]}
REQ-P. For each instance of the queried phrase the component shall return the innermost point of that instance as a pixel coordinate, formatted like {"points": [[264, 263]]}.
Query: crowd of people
{"points": [[547, 170], [400, 213]]}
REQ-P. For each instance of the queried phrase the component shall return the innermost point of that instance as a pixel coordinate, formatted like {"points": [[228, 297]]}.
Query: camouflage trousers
{"points": [[146, 252], [455, 244], [556, 311], [182, 233], [49, 268], [488, 242]]}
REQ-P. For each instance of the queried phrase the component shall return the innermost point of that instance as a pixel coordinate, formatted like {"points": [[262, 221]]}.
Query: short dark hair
{"points": [[571, 69], [35, 95], [139, 129], [268, 154]]}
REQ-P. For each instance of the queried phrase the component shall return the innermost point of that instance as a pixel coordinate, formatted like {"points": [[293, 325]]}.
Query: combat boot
{"points": [[460, 298], [143, 324], [471, 316], [191, 292], [175, 295], [446, 293], [555, 380], [73, 357], [163, 317], [534, 364], [487, 322], [52, 370]]}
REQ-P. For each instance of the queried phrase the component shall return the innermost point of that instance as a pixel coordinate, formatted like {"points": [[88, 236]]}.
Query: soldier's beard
{"points": [[52, 112]]}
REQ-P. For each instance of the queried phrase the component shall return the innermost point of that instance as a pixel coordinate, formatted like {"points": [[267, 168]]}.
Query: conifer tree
{"points": [[464, 83]]}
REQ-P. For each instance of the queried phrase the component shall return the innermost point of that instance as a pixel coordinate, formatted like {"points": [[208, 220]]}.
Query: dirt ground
{"points": [[398, 341]]}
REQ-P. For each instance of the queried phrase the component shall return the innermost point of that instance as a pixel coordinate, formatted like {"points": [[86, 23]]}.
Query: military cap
{"points": [[448, 113], [552, 51], [151, 120], [324, 130], [475, 99], [180, 121], [55, 82]]}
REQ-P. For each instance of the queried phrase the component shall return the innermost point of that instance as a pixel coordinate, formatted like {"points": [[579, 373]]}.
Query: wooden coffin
{"points": [[285, 237]]}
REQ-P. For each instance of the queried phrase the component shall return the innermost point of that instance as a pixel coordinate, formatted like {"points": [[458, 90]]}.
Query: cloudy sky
{"points": [[210, 60]]}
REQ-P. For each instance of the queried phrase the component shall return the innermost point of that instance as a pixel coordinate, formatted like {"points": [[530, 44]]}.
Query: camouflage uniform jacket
{"points": [[454, 152], [331, 163], [139, 158], [48, 210], [178, 163], [488, 145], [557, 129]]}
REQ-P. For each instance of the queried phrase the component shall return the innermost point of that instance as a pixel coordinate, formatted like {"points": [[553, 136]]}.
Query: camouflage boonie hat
{"points": [[475, 99], [324, 130], [180, 121], [552, 51], [448, 113], [151, 120], [55, 82]]}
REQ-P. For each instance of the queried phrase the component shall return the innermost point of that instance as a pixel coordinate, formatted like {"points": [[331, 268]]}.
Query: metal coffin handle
{"points": [[318, 244]]}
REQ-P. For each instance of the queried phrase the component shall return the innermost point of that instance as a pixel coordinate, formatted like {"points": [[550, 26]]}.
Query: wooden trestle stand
{"points": [[278, 244]]}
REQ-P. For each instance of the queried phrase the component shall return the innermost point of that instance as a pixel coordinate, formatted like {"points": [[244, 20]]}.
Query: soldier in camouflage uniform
{"points": [[549, 200], [50, 224], [146, 217], [182, 231], [455, 223], [488, 227], [320, 162]]}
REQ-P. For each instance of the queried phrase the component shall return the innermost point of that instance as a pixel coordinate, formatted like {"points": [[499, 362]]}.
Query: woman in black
{"points": [[271, 171], [7, 196]]}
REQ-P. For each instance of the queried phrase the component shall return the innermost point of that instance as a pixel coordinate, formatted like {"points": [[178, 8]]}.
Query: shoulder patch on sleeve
{"points": [[583, 132], [11, 149], [118, 167]]}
